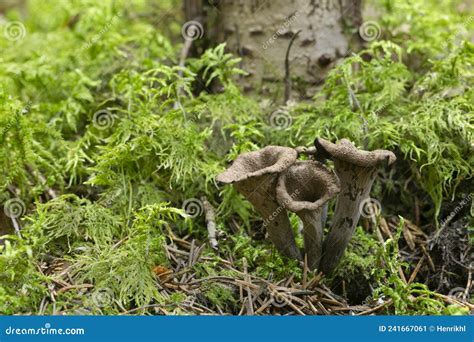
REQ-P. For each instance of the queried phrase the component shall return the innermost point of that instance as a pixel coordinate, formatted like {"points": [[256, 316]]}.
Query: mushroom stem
{"points": [[304, 188], [324, 215], [356, 170], [260, 191], [347, 212], [313, 236]]}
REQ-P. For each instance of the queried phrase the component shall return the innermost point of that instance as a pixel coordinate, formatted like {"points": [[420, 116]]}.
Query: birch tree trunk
{"points": [[260, 32]]}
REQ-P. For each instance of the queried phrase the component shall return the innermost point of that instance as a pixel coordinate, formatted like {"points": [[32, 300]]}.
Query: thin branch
{"points": [[416, 270], [287, 68], [249, 292], [210, 216]]}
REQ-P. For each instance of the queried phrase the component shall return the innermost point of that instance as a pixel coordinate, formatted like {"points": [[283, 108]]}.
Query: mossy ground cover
{"points": [[106, 141]]}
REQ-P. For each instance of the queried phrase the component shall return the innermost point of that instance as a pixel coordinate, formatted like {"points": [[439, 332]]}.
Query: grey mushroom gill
{"points": [[356, 170], [255, 176], [305, 188]]}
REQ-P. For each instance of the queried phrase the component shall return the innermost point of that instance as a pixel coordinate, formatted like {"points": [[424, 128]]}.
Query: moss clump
{"points": [[222, 297]]}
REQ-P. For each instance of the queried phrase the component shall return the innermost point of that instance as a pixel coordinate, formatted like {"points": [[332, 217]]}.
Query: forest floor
{"points": [[106, 138]]}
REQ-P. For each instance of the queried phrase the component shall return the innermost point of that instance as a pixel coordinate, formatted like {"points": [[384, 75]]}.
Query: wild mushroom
{"points": [[254, 175], [304, 188], [356, 170]]}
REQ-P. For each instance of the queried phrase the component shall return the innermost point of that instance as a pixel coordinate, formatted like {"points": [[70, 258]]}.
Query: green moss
{"points": [[22, 287], [360, 258], [165, 138], [406, 298], [221, 296], [263, 260]]}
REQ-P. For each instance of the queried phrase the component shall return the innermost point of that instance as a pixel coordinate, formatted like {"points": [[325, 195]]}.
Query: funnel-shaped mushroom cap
{"points": [[306, 185], [345, 151], [271, 159], [255, 176]]}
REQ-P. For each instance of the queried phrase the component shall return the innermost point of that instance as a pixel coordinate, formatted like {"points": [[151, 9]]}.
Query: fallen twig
{"points": [[70, 287], [249, 293], [287, 68], [210, 217]]}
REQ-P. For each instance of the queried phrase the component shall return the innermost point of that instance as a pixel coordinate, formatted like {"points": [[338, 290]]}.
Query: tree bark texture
{"points": [[260, 32]]}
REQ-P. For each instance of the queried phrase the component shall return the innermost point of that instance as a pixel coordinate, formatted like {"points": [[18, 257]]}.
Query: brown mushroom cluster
{"points": [[275, 182]]}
